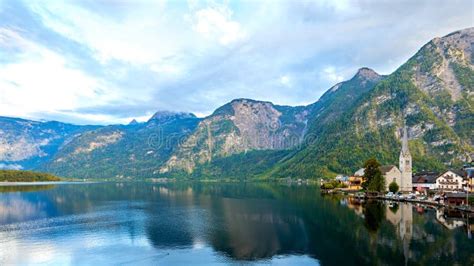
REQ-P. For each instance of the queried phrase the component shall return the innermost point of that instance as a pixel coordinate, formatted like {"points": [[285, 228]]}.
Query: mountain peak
{"points": [[228, 109], [246, 100], [166, 116], [133, 122], [367, 73]]}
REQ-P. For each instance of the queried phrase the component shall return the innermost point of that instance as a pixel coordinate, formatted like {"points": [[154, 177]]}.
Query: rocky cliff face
{"points": [[240, 126]]}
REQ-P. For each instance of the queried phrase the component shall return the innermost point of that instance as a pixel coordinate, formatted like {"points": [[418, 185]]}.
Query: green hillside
{"points": [[432, 93], [122, 151]]}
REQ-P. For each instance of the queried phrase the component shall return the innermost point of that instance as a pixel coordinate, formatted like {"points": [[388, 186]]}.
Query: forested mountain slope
{"points": [[432, 93]]}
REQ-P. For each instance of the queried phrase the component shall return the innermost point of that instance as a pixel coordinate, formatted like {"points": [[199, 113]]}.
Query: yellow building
{"points": [[470, 184], [355, 182]]}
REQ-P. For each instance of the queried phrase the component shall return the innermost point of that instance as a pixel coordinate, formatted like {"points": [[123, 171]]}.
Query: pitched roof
{"points": [[425, 177], [386, 168], [457, 195], [360, 172], [459, 173]]}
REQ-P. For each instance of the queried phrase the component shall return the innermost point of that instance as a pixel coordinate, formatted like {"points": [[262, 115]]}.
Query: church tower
{"points": [[405, 163]]}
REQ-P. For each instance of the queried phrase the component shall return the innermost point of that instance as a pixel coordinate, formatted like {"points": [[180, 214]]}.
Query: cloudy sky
{"points": [[109, 61]]}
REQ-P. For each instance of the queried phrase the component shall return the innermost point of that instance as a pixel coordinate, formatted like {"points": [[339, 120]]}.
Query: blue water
{"points": [[193, 223]]}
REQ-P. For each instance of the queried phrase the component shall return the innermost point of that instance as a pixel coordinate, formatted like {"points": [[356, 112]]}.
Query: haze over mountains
{"points": [[354, 120]]}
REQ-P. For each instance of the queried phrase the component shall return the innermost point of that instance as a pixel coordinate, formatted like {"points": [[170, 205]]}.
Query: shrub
{"points": [[393, 187]]}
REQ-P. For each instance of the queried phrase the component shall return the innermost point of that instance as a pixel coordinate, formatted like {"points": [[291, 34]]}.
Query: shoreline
{"points": [[423, 202], [40, 183]]}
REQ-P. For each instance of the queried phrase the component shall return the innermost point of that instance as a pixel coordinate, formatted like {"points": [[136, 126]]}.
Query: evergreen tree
{"points": [[373, 176]]}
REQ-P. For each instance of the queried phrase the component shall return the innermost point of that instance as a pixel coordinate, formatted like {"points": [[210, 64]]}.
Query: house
{"points": [[469, 174], [391, 174], [456, 199], [450, 181], [355, 182], [424, 181]]}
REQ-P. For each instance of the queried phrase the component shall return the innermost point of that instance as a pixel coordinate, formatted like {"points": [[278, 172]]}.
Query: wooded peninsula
{"points": [[25, 176]]}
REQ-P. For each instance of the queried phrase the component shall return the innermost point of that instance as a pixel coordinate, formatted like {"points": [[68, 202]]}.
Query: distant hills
{"points": [[354, 120]]}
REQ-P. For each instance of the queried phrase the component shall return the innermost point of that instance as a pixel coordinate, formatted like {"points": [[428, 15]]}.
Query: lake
{"points": [[211, 223]]}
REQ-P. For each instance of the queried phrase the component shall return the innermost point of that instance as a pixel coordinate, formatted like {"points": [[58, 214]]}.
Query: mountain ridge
{"points": [[432, 92]]}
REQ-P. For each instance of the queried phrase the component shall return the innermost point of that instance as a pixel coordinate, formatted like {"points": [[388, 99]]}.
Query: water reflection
{"points": [[25, 188], [414, 233], [114, 223], [374, 213]]}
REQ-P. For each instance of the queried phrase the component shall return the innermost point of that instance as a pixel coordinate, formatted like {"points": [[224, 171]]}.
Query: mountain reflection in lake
{"points": [[144, 223]]}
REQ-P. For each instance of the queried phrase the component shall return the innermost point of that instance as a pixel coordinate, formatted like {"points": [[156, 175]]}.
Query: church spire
{"points": [[405, 149]]}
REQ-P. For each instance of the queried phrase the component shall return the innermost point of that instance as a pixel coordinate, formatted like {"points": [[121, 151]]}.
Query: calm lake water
{"points": [[195, 223]]}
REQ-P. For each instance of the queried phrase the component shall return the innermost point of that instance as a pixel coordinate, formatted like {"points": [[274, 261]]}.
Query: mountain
{"points": [[245, 138], [341, 97], [27, 144], [432, 93], [240, 126], [121, 151]]}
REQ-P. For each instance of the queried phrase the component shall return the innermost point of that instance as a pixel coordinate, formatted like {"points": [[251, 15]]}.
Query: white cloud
{"points": [[217, 23], [97, 62], [285, 80], [42, 80], [329, 73], [143, 36]]}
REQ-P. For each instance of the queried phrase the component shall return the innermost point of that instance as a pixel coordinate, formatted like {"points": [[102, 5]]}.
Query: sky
{"points": [[111, 61]]}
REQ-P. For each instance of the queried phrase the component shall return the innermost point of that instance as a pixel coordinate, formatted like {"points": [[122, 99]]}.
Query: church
{"points": [[403, 174]]}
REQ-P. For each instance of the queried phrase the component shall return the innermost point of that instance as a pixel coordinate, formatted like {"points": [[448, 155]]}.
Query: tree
{"points": [[393, 187], [374, 214], [373, 176]]}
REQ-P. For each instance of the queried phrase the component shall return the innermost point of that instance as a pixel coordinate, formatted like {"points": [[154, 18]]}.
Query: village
{"points": [[451, 188]]}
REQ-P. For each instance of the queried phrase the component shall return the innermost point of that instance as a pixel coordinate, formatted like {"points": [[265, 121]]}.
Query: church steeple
{"points": [[405, 163], [405, 149]]}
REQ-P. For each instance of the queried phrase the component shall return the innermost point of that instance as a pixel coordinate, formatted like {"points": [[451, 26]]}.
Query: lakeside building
{"points": [[469, 171], [424, 181], [355, 182], [391, 174], [403, 174], [450, 181], [456, 199]]}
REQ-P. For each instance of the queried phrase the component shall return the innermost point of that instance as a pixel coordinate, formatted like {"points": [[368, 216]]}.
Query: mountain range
{"points": [[432, 94]]}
